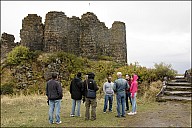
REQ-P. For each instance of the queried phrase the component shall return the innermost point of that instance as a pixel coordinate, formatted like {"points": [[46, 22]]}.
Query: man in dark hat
{"points": [[76, 94], [90, 83]]}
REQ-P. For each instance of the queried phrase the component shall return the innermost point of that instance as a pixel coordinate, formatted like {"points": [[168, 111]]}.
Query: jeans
{"points": [[110, 99], [120, 103], [134, 104], [74, 103], [54, 104], [128, 97]]}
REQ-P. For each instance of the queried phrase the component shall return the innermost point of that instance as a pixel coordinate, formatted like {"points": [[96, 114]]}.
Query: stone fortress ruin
{"points": [[86, 37]]}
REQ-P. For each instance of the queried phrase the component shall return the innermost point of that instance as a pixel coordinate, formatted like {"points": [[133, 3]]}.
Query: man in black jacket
{"points": [[76, 94], [54, 94], [90, 84]]}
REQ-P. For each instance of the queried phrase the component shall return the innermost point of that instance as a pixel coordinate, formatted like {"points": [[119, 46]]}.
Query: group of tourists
{"points": [[125, 89]]}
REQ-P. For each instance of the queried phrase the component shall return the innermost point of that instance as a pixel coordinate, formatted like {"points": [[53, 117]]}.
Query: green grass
{"points": [[32, 111]]}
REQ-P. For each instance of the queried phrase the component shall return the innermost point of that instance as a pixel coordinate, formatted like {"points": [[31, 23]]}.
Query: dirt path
{"points": [[166, 114]]}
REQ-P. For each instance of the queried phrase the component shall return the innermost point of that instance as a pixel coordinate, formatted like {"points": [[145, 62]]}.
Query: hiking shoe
{"points": [[123, 116], [130, 113], [79, 116], [59, 122], [51, 122], [92, 119]]}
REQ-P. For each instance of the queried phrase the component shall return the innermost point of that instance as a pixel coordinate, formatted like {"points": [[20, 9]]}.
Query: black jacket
{"points": [[76, 88], [91, 85], [54, 90]]}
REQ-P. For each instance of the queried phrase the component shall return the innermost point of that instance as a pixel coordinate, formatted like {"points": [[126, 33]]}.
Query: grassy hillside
{"points": [[29, 75], [26, 72]]}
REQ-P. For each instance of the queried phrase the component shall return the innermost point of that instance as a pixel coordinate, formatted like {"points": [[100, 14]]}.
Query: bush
{"points": [[7, 88], [144, 74], [18, 55], [164, 70], [149, 92], [67, 65], [107, 58]]}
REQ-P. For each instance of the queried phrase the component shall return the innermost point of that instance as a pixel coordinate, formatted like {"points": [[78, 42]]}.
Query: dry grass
{"points": [[21, 110], [150, 92], [6, 76], [32, 111]]}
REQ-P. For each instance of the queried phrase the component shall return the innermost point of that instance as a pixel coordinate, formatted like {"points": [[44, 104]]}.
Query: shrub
{"points": [[149, 92], [107, 58], [164, 70], [67, 65], [18, 55], [144, 74], [7, 88]]}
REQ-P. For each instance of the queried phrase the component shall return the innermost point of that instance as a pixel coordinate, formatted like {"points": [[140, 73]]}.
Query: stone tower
{"points": [[55, 33], [88, 35], [118, 45], [73, 38], [103, 41], [32, 32]]}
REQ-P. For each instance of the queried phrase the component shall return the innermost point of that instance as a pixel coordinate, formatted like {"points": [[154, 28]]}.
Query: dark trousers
{"points": [[128, 96], [93, 103]]}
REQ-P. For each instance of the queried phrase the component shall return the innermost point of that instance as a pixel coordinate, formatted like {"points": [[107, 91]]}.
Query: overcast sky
{"points": [[156, 31]]}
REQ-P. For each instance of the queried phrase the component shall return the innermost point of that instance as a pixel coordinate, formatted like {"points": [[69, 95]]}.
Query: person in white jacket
{"points": [[108, 91]]}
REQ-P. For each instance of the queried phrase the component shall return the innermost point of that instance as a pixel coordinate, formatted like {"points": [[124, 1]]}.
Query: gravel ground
{"points": [[167, 114]]}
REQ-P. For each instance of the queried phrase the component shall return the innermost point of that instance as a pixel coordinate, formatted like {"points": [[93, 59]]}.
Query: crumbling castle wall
{"points": [[7, 44], [32, 31], [86, 37], [118, 41], [73, 38], [103, 44], [55, 32], [95, 37]]}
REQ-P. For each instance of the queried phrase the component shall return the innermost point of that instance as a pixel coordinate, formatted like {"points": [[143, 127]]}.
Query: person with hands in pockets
{"points": [[108, 91], [133, 90], [120, 85]]}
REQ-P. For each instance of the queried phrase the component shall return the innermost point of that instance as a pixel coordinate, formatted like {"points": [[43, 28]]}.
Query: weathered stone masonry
{"points": [[87, 37], [31, 33], [7, 44]]}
